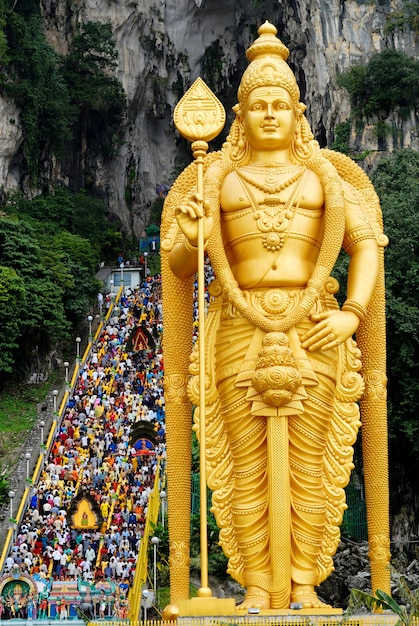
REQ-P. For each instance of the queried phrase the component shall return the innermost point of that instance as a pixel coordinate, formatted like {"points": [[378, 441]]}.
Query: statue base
{"points": [[216, 607], [219, 607], [207, 606], [200, 607], [325, 611]]}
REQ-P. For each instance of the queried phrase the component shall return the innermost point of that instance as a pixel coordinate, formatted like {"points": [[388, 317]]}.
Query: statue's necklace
{"points": [[273, 217], [271, 184]]}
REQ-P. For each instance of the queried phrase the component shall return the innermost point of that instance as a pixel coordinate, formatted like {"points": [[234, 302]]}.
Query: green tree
{"points": [[95, 93], [342, 136], [41, 316], [47, 212], [396, 180], [12, 305], [217, 561], [77, 213], [81, 261], [4, 485], [389, 81], [4, 48], [50, 250], [153, 230], [89, 220], [34, 80], [87, 70], [59, 96]]}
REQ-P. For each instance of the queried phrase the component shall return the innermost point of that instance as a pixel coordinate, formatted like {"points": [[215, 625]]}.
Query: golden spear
{"points": [[199, 117]]}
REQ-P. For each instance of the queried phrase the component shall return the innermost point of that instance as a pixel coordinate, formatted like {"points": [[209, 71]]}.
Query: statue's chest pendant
{"points": [[273, 219]]}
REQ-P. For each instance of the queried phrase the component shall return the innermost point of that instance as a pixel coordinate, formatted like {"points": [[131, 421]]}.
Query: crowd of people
{"points": [[95, 456]]}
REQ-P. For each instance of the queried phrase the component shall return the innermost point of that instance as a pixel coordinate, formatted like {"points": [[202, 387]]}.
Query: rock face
{"points": [[164, 45], [11, 136]]}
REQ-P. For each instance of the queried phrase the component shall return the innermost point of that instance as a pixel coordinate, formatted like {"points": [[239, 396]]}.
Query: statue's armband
{"points": [[358, 225]]}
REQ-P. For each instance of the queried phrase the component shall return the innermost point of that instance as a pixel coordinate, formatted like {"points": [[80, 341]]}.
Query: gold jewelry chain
{"points": [[272, 168], [271, 188]]}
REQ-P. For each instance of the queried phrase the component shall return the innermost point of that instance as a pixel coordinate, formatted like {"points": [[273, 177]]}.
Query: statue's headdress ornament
{"points": [[268, 66]]}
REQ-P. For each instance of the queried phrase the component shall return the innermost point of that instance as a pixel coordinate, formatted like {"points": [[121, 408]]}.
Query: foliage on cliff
{"points": [[388, 82], [50, 247], [60, 97], [396, 180]]}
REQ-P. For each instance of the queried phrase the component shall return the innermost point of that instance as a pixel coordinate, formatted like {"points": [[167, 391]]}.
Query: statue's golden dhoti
{"points": [[322, 420]]}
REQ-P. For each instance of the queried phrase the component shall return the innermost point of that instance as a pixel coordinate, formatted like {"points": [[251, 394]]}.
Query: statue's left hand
{"points": [[331, 329]]}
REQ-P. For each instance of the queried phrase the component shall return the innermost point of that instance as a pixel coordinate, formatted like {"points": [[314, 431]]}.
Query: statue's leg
{"points": [[247, 438], [247, 441], [307, 441]]}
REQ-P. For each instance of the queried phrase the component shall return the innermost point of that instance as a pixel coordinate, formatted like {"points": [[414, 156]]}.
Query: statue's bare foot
{"points": [[306, 595], [256, 598]]}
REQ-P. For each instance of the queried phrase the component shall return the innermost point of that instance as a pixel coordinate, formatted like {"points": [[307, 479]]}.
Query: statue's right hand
{"points": [[188, 215]]}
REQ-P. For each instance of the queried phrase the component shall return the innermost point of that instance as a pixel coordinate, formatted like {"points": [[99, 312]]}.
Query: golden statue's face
{"points": [[269, 119]]}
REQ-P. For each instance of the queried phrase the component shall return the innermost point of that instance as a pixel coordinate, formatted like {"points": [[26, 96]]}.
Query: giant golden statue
{"points": [[283, 375]]}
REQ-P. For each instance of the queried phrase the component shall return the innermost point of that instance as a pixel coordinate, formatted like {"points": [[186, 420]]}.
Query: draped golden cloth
{"points": [[323, 420]]}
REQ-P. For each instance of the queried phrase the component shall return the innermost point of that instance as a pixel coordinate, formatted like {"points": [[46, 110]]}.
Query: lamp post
{"points": [[145, 598], [90, 320], [78, 341], [54, 400], [42, 424], [100, 303], [163, 506], [121, 267], [145, 265], [11, 496], [155, 541], [66, 365], [28, 458]]}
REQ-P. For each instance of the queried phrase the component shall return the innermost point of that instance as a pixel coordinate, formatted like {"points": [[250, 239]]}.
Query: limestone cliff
{"points": [[164, 45]]}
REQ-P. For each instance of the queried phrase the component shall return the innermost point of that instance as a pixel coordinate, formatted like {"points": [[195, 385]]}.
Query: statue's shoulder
{"points": [[355, 182], [215, 165], [349, 171]]}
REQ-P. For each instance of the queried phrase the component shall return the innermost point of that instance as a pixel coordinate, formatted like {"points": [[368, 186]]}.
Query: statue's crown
{"points": [[267, 56], [267, 43]]}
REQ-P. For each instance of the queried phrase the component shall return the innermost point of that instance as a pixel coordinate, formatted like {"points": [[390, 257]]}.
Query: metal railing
{"points": [[381, 619], [12, 531], [141, 570]]}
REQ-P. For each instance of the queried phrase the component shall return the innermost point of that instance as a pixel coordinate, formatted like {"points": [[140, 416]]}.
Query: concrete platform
{"points": [[297, 618]]}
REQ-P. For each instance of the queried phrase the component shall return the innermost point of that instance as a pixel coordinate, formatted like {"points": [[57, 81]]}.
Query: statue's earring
{"points": [[303, 146], [237, 138], [298, 136], [242, 135]]}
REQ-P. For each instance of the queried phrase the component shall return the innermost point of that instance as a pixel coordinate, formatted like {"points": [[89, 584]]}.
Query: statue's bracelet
{"points": [[354, 307]]}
